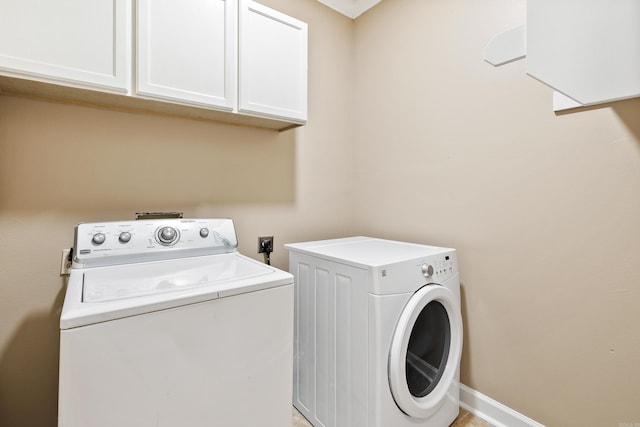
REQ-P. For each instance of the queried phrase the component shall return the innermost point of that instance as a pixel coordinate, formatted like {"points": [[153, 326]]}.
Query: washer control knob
{"points": [[167, 235], [427, 270], [98, 238], [124, 237], [204, 232]]}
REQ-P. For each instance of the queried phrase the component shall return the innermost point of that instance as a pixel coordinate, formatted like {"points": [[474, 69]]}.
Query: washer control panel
{"points": [[122, 242]]}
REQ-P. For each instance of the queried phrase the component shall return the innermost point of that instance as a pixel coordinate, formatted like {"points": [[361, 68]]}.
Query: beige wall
{"points": [[64, 164], [433, 146], [544, 209]]}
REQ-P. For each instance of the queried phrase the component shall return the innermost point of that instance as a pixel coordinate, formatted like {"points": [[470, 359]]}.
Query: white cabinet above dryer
{"points": [[72, 42], [589, 50]]}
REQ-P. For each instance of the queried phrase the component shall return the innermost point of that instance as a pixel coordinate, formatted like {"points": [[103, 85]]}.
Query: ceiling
{"points": [[350, 8]]}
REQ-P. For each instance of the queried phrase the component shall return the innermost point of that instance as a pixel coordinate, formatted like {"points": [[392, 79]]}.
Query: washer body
{"points": [[378, 333], [189, 333]]}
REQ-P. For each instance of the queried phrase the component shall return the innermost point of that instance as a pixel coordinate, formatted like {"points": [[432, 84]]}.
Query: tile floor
{"points": [[465, 419]]}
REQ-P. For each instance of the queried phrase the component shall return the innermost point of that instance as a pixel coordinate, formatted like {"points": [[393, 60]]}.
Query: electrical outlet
{"points": [[65, 264], [265, 244]]}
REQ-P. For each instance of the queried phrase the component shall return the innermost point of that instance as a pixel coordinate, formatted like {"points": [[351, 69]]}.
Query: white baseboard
{"points": [[492, 411]]}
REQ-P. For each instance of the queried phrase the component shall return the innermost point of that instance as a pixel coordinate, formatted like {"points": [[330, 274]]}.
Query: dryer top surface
{"points": [[367, 251]]}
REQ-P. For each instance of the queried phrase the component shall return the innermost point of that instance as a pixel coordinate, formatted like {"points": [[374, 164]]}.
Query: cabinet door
{"points": [[187, 51], [272, 64], [74, 42], [586, 49]]}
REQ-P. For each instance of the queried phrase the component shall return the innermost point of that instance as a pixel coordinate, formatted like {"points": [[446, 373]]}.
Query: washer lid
{"points": [[134, 280], [102, 294]]}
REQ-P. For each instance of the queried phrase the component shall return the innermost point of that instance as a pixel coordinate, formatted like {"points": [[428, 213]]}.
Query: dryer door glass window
{"points": [[425, 351], [428, 349]]}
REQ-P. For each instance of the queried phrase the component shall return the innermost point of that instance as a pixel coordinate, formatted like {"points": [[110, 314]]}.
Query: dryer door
{"points": [[425, 351]]}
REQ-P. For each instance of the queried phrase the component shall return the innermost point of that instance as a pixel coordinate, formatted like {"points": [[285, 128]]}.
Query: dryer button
{"points": [[427, 270]]}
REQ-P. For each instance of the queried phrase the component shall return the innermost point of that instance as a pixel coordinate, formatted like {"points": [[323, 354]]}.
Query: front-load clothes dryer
{"points": [[164, 323], [377, 334]]}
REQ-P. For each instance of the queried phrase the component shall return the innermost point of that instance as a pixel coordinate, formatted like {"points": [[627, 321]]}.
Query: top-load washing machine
{"points": [[164, 323], [377, 334]]}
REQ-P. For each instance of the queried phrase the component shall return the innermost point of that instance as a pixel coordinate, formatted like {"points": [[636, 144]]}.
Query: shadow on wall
{"points": [[627, 110], [629, 113], [28, 373], [465, 362], [69, 158]]}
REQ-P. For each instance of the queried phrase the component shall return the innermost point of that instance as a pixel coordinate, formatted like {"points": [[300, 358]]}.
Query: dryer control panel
{"points": [[438, 268], [124, 242]]}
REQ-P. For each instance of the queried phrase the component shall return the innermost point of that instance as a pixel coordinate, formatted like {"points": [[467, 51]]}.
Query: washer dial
{"points": [[98, 238], [167, 236], [124, 237]]}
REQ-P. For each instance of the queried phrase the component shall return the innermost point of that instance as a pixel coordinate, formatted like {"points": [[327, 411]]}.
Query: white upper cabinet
{"points": [[227, 60], [75, 42], [186, 51], [589, 50], [272, 63]]}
